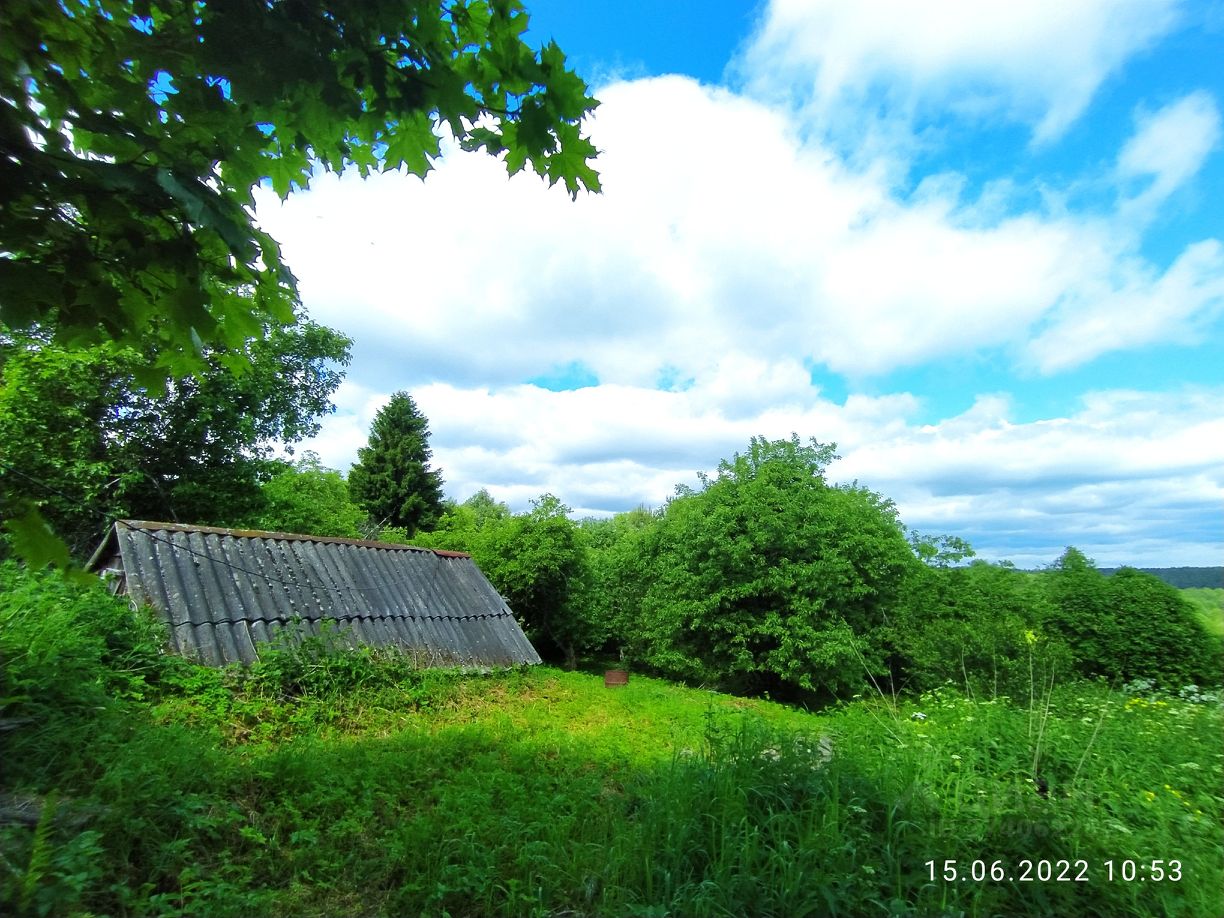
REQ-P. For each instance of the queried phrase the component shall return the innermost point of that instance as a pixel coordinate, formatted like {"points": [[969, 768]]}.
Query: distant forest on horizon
{"points": [[1183, 578]]}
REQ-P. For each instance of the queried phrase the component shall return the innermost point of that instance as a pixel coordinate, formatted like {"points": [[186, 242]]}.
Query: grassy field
{"points": [[323, 787], [1209, 603]]}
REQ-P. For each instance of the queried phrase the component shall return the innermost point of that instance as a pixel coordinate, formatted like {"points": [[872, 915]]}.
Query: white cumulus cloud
{"points": [[1039, 63], [734, 255], [737, 238], [1128, 477]]}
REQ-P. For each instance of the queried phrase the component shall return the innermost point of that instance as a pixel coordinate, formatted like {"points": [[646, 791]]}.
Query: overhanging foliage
{"points": [[132, 133]]}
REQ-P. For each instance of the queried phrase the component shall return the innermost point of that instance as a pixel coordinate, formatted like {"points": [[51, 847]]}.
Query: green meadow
{"points": [[349, 783], [1208, 603]]}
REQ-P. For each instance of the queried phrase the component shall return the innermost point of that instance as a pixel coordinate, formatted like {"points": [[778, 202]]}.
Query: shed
{"points": [[223, 592]]}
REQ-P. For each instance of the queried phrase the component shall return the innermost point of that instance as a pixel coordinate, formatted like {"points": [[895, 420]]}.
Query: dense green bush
{"points": [[979, 627], [1128, 626], [1159, 636], [76, 665], [310, 499], [67, 649], [1079, 610], [771, 579], [620, 555], [994, 630]]}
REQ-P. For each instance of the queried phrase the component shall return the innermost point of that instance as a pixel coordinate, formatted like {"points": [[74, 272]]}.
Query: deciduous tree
{"points": [[133, 131], [620, 560], [82, 438], [308, 498]]}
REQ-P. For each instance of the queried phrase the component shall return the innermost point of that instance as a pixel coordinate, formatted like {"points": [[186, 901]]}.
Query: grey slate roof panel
{"points": [[223, 592]]}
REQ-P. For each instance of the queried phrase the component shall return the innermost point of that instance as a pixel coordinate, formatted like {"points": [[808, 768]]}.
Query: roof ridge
{"points": [[284, 536]]}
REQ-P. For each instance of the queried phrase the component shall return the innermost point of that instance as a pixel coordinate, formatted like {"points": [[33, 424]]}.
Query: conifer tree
{"points": [[392, 480]]}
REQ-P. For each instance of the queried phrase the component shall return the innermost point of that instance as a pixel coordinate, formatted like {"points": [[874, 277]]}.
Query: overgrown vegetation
{"points": [[770, 579], [321, 782], [83, 439]]}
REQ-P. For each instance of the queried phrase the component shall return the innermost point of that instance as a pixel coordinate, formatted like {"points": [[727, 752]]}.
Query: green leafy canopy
{"points": [[85, 443], [770, 577], [309, 498], [132, 133]]}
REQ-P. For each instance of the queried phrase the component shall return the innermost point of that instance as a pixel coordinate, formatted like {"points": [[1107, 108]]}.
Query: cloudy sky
{"points": [[976, 243]]}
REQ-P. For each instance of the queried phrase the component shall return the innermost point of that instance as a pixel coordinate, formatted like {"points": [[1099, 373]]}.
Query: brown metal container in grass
{"points": [[616, 677]]}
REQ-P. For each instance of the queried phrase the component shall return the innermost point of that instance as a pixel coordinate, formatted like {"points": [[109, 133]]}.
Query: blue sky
{"points": [[976, 244]]}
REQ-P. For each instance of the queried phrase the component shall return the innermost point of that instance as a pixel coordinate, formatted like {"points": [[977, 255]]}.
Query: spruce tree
{"points": [[392, 480]]}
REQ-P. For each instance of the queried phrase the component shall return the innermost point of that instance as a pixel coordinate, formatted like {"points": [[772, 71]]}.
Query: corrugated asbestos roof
{"points": [[223, 591]]}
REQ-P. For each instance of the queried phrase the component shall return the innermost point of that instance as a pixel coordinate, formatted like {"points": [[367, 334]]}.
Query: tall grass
{"points": [[332, 784]]}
